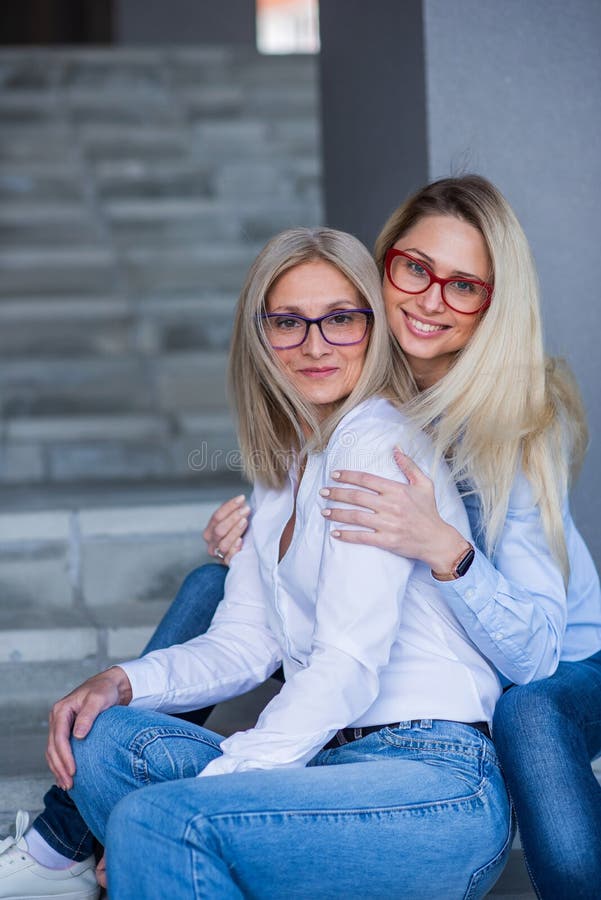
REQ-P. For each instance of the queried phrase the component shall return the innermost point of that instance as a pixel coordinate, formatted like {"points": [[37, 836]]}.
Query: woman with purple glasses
{"points": [[374, 764]]}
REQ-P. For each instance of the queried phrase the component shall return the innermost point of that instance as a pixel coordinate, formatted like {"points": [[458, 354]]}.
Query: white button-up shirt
{"points": [[365, 636]]}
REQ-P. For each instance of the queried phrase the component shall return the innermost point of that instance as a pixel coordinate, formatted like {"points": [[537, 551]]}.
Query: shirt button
{"points": [[498, 636], [469, 594]]}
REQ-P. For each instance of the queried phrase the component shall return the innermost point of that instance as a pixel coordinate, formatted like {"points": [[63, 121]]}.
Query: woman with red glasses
{"points": [[462, 302]]}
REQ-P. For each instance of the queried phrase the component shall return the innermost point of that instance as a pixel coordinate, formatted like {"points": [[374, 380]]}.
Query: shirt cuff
{"points": [[474, 589], [142, 694]]}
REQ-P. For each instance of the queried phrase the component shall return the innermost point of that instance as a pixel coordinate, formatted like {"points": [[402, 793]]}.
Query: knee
{"points": [[207, 579], [528, 707], [92, 752], [125, 815]]}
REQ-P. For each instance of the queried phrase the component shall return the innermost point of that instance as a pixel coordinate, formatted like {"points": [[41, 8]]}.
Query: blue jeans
{"points": [[190, 614], [419, 811], [546, 734]]}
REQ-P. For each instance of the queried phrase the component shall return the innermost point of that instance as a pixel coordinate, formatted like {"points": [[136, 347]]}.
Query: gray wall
{"points": [[184, 22], [512, 90]]}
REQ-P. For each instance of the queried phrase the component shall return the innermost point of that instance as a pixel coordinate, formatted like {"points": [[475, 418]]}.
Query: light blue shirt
{"points": [[515, 607]]}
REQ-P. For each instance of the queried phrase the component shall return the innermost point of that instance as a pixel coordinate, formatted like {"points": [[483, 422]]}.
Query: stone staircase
{"points": [[136, 185], [135, 188]]}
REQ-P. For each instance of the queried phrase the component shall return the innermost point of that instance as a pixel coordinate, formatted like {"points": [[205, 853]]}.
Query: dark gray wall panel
{"points": [[373, 110], [184, 22]]}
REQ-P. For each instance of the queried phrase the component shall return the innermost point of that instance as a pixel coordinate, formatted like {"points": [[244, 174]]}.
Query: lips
{"points": [[318, 373], [422, 327]]}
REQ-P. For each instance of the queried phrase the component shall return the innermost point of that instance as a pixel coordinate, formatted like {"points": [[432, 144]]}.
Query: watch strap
{"points": [[459, 567]]}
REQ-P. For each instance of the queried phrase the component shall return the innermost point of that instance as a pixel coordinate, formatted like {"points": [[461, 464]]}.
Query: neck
{"points": [[427, 372]]}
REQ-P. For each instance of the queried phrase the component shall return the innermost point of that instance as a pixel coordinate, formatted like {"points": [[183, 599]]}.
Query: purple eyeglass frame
{"points": [[393, 253], [318, 321]]}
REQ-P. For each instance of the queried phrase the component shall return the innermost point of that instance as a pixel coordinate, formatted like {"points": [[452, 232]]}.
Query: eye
{"points": [[415, 268], [465, 287], [341, 318], [285, 323]]}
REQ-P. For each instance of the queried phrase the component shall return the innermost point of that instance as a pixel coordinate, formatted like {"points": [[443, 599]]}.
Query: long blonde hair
{"points": [[503, 403], [269, 409]]}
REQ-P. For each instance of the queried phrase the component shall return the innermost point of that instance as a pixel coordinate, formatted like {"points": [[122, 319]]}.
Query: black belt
{"points": [[348, 735]]}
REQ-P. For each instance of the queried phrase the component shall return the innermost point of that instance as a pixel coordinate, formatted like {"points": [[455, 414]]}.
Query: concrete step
{"points": [[89, 327], [75, 386], [66, 271], [217, 267], [71, 561], [136, 180], [37, 270], [104, 448], [63, 329], [36, 144], [49, 226], [117, 494], [137, 185], [43, 182], [179, 382]]}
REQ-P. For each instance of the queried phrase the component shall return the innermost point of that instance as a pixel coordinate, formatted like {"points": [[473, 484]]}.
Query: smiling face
{"points": [[428, 331], [324, 374]]}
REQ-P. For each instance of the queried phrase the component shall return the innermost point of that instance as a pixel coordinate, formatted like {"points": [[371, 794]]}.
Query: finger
{"points": [[101, 871], [363, 479], [408, 467], [233, 550], [366, 499], [234, 535], [371, 538], [87, 715], [227, 508], [222, 547], [58, 753], [225, 532], [225, 528], [351, 517]]}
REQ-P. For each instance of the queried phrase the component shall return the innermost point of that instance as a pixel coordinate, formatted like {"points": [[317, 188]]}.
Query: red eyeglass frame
{"points": [[392, 253]]}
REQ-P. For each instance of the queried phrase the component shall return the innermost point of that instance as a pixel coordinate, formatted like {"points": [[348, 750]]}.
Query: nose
{"points": [[315, 344], [431, 300]]}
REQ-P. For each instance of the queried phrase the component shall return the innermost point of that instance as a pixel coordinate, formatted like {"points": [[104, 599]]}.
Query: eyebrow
{"points": [[292, 308], [432, 265]]}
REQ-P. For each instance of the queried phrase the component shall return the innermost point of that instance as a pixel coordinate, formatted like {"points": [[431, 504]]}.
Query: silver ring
{"points": [[219, 554]]}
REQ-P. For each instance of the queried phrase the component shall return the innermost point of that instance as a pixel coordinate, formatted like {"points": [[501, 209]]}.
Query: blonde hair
{"points": [[503, 402], [270, 410]]}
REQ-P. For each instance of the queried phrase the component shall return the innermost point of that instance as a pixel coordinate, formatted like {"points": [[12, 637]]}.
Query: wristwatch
{"points": [[459, 567]]}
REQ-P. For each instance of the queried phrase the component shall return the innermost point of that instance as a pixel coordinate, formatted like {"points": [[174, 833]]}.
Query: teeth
{"points": [[422, 326]]}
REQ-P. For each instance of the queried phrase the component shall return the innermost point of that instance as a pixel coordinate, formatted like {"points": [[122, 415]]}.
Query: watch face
{"points": [[465, 563]]}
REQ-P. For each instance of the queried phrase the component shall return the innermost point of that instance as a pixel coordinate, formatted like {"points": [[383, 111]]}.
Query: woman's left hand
{"points": [[402, 518]]}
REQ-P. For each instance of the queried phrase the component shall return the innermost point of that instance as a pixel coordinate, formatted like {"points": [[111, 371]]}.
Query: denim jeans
{"points": [[418, 811], [190, 614], [546, 734]]}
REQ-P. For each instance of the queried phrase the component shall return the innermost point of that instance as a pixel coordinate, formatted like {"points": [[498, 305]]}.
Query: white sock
{"points": [[43, 853]]}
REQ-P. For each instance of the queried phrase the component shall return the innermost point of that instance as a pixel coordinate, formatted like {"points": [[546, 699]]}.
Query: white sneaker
{"points": [[22, 878]]}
